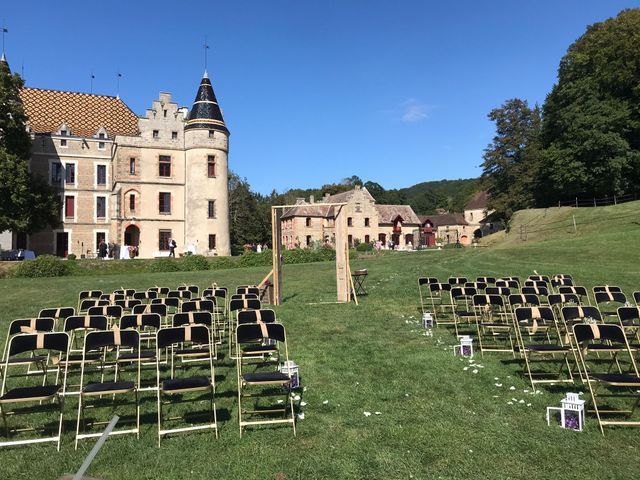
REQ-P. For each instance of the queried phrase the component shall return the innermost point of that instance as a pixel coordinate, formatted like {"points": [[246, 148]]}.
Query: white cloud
{"points": [[414, 111]]}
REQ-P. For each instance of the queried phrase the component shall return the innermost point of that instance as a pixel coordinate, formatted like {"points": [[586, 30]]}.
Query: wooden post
{"points": [[276, 252], [575, 229], [342, 256]]}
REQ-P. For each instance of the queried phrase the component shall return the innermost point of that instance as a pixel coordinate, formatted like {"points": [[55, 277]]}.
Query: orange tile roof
{"points": [[84, 113]]}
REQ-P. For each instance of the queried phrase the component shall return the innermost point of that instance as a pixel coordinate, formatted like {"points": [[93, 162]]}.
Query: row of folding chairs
{"points": [[110, 363]]}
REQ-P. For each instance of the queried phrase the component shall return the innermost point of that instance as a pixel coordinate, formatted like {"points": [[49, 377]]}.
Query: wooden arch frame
{"points": [[344, 281]]}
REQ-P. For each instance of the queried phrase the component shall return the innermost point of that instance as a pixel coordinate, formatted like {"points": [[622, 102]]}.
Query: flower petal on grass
{"points": [[325, 402], [367, 414]]}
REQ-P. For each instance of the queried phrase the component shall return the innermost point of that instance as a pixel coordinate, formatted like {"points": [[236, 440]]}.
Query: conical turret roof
{"points": [[206, 113]]}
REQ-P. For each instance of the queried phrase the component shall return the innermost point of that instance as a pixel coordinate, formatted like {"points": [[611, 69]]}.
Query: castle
{"points": [[136, 182]]}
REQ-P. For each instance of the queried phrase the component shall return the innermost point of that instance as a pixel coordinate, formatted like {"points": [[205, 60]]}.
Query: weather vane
{"points": [[4, 30], [206, 47], [92, 77], [119, 76]]}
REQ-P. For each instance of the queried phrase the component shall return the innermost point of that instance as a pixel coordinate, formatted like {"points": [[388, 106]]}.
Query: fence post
{"points": [[615, 202], [576, 202], [575, 230]]}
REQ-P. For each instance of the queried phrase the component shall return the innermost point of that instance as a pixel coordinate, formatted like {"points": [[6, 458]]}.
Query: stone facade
{"points": [[132, 181], [313, 222]]}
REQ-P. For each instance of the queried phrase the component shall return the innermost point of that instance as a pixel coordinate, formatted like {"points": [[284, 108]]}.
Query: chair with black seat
{"points": [[608, 304], [423, 290], [27, 325], [77, 326], [539, 342], [540, 279], [145, 296], [174, 388], [502, 291], [510, 284], [172, 304], [487, 280], [59, 314], [248, 290], [107, 343], [111, 311], [560, 281], [190, 354], [479, 286], [559, 300], [87, 303], [182, 295], [262, 347], [462, 299], [243, 296], [510, 279], [440, 304], [457, 281], [88, 294], [147, 325], [194, 289], [493, 324], [636, 297], [517, 300], [629, 320], [159, 308], [112, 297], [50, 345], [617, 372], [573, 315], [159, 291], [127, 292], [257, 377], [236, 305], [128, 304], [206, 305], [541, 292], [580, 291]]}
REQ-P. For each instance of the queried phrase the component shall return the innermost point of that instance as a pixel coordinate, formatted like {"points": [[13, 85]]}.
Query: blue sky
{"points": [[314, 91]]}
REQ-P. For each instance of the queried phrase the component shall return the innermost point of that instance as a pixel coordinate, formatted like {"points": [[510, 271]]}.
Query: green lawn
{"points": [[436, 420]]}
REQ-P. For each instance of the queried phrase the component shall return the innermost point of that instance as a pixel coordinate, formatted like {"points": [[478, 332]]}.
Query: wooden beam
{"points": [[276, 252], [342, 262]]}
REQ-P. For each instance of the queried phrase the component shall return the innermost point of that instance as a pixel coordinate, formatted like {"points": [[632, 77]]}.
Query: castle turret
{"points": [[206, 176]]}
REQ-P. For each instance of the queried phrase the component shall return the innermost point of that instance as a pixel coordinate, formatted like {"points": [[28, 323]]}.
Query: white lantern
{"points": [[572, 415], [290, 368], [465, 348], [427, 320]]}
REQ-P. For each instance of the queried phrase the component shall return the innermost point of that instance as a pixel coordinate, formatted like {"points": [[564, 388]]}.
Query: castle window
{"points": [[56, 173], [70, 173], [366, 223], [63, 133], [156, 134], [163, 239], [211, 209], [174, 135], [212, 242], [101, 207], [366, 239], [349, 222], [63, 143], [132, 166], [164, 166], [132, 202], [101, 135], [211, 166], [101, 146], [164, 202], [211, 133], [69, 206], [101, 174], [308, 240], [164, 112], [308, 222]]}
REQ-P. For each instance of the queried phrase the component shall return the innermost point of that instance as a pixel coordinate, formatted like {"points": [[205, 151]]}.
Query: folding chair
{"points": [[541, 292], [112, 297], [557, 301], [235, 306], [636, 297], [112, 312], [145, 296], [159, 291], [580, 291], [538, 336], [88, 294], [493, 324], [159, 308], [540, 279], [629, 319], [440, 304], [423, 290], [511, 284], [248, 290], [487, 280], [191, 354], [108, 344], [206, 305], [147, 325], [608, 304], [27, 325], [175, 387], [262, 380], [194, 289], [32, 345], [57, 313], [462, 300], [510, 279], [182, 295], [557, 282], [573, 315], [536, 283], [243, 296], [87, 303], [128, 304], [127, 292], [172, 304], [457, 281], [518, 300], [617, 372], [502, 291], [479, 286]]}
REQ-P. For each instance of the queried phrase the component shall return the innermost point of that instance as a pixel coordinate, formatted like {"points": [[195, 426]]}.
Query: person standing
{"points": [[172, 248], [102, 250]]}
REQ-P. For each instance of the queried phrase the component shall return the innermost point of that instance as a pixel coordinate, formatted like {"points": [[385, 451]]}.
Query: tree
{"points": [[27, 203], [511, 160], [246, 225], [352, 181], [591, 127]]}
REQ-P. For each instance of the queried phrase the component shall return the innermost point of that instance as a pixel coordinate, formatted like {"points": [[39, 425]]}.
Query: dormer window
{"points": [[63, 133], [101, 135]]}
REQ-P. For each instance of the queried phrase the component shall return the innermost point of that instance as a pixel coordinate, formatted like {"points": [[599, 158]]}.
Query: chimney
{"points": [[300, 201], [312, 199], [326, 197]]}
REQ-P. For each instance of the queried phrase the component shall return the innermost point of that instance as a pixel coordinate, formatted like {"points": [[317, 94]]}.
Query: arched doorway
{"points": [[132, 236]]}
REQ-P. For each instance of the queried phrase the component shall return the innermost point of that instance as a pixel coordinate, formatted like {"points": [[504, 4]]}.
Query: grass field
{"points": [[436, 420]]}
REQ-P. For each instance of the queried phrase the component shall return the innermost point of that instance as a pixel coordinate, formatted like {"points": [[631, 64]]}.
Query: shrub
{"points": [[191, 263], [253, 259], [43, 266], [364, 247], [164, 265], [223, 263], [71, 257]]}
